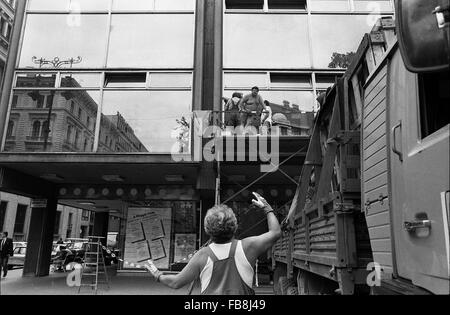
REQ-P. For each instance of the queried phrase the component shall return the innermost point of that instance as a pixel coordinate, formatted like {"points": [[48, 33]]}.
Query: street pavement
{"points": [[55, 284]]}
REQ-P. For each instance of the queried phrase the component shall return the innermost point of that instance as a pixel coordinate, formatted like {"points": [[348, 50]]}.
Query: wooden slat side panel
{"points": [[375, 170], [322, 237]]}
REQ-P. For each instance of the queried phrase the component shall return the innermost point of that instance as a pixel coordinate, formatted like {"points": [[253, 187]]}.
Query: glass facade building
{"points": [[106, 92]]}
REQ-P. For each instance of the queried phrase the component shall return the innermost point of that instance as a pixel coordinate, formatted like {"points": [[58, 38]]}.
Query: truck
{"points": [[371, 210]]}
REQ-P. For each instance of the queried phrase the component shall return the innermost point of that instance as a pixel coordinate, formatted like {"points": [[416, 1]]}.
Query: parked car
{"points": [[19, 244], [18, 259], [57, 248]]}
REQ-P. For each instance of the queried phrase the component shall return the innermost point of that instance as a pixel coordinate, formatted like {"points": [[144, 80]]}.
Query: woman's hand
{"points": [[262, 203], [150, 266]]}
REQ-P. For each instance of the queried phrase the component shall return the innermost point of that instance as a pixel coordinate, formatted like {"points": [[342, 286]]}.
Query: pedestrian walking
{"points": [[6, 250]]}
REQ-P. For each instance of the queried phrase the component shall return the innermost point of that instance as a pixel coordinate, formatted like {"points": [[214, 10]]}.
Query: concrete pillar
{"points": [[208, 55], [101, 221], [10, 216], [40, 240]]}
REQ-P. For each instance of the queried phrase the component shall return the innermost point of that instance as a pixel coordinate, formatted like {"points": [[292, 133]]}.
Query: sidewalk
{"points": [[55, 284]]}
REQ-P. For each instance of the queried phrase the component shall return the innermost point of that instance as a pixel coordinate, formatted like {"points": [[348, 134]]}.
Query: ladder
{"points": [[93, 265]]}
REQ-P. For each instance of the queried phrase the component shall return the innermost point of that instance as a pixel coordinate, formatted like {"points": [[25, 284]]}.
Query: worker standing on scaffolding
{"points": [[252, 107], [226, 266]]}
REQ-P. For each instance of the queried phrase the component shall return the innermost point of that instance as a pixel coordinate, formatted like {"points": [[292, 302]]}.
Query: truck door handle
{"points": [[394, 141], [412, 226]]}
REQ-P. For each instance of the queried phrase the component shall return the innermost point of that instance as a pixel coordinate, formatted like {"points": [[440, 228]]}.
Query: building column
{"points": [[40, 240], [101, 221], [10, 216]]}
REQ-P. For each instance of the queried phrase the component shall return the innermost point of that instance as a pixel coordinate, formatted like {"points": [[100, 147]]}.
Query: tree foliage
{"points": [[342, 61]]}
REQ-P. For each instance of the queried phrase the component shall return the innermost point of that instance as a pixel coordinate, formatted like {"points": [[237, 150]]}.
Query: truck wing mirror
{"points": [[423, 30]]}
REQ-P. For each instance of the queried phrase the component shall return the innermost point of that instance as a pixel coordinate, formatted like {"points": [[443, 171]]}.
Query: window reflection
{"points": [[329, 5], [152, 41], [53, 121], [292, 111], [46, 37], [372, 6], [254, 41], [49, 5], [248, 80], [65, 5], [76, 80], [148, 121], [162, 5], [339, 35], [35, 80], [171, 80]]}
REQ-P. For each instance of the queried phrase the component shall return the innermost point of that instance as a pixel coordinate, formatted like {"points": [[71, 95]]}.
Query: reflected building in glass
{"points": [[293, 50], [7, 8], [63, 120]]}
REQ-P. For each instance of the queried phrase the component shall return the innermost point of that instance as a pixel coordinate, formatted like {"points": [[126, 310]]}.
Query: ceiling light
{"points": [[113, 178], [52, 177], [174, 178], [86, 203]]}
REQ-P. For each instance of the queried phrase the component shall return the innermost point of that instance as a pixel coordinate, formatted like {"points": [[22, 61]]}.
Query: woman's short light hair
{"points": [[220, 224]]}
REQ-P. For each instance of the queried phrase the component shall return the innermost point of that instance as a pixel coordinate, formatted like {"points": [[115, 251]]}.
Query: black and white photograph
{"points": [[224, 153]]}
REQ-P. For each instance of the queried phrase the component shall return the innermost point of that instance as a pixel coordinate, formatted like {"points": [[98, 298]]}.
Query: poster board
{"points": [[148, 236]]}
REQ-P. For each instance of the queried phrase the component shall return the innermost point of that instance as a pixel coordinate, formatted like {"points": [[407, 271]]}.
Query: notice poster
{"points": [[157, 249], [185, 245], [153, 226], [148, 236], [142, 251]]}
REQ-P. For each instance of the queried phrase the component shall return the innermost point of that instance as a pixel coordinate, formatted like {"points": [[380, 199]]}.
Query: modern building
{"points": [[148, 78], [7, 8]]}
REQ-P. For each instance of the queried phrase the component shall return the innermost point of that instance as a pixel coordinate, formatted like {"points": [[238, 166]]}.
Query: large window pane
{"points": [[266, 41], [174, 4], [37, 80], [145, 121], [373, 6], [153, 40], [170, 80], [329, 5], [245, 80], [73, 116], [48, 5], [149, 5], [132, 5], [66, 5], [287, 4], [244, 4], [89, 5], [65, 36], [339, 35], [77, 80]]}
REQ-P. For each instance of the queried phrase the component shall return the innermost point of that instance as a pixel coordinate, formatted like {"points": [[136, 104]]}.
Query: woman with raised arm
{"points": [[226, 266]]}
